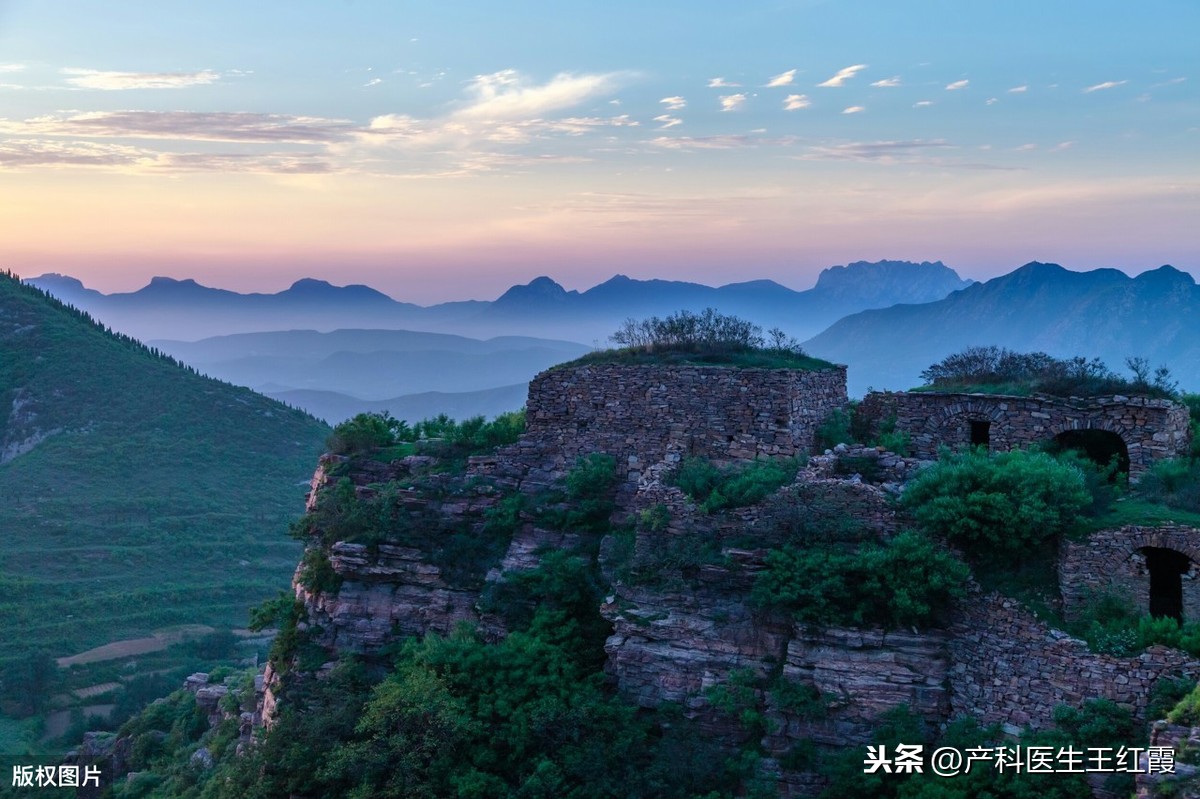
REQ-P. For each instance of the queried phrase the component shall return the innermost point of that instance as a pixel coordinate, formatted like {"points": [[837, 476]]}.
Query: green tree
{"points": [[997, 504]]}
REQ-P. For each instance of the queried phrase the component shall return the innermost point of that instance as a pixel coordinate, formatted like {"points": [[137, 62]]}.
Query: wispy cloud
{"points": [[191, 125], [1171, 82], [1108, 84], [887, 83], [15, 155], [373, 82], [842, 76], [958, 84], [1063, 145], [119, 81], [723, 142], [721, 83], [794, 102], [675, 103], [854, 109], [782, 79], [922, 103], [667, 121], [732, 102], [1019, 89], [1024, 148], [882, 151], [12, 68], [991, 101], [508, 95]]}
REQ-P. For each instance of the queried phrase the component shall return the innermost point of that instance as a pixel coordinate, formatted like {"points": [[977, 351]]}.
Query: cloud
{"points": [[20, 154], [842, 76], [1064, 145], [782, 79], [667, 121], [723, 142], [373, 82], [675, 103], [721, 83], [26, 153], [1171, 82], [118, 81], [1024, 148], [508, 95], [880, 151], [794, 102], [236, 126], [991, 101], [1108, 84], [11, 68], [732, 102], [887, 83], [922, 103], [854, 109], [1019, 89], [956, 85]]}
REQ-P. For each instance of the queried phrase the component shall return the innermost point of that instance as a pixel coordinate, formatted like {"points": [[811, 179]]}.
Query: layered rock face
{"points": [[685, 628]]}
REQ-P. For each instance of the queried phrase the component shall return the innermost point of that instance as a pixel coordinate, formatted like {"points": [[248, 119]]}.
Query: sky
{"points": [[448, 150]]}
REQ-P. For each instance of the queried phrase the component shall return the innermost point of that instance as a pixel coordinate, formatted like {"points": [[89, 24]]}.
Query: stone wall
{"points": [[644, 412], [1009, 668], [1152, 429], [1111, 562]]}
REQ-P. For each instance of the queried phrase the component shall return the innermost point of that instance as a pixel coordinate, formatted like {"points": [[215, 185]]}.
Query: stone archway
{"points": [[973, 422], [1165, 569], [1102, 447], [1157, 569]]}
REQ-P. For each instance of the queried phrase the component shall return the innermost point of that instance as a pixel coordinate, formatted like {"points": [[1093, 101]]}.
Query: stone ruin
{"points": [[1140, 430], [674, 642]]}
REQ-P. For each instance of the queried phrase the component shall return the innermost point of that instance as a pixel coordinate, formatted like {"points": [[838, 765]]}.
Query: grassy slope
{"points": [[164, 500]]}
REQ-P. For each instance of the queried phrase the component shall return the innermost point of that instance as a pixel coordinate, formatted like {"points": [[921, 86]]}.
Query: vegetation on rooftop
{"points": [[705, 339], [998, 370]]}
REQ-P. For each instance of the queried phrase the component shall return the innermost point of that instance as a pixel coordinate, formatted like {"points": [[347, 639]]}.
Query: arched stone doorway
{"points": [[1166, 569], [1100, 446]]}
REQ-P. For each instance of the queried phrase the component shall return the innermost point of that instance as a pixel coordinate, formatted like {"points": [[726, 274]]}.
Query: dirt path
{"points": [[134, 646]]}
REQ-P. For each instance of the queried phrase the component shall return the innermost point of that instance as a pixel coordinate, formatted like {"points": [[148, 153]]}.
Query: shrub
{"points": [[997, 504], [1175, 483], [708, 331], [984, 368], [833, 431], [363, 433], [906, 582], [737, 486]]}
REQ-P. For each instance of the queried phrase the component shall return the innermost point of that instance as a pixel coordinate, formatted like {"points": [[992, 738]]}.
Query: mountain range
{"points": [[1039, 307], [184, 309], [412, 375]]}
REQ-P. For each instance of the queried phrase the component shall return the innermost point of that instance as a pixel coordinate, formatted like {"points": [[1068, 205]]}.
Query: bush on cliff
{"points": [[714, 488], [909, 581], [707, 338], [997, 370], [997, 504]]}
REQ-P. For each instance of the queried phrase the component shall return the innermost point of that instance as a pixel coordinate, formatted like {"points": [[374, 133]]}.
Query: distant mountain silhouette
{"points": [[335, 407], [185, 309], [1038, 307], [369, 365]]}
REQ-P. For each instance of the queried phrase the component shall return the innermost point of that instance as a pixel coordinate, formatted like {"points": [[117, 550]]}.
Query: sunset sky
{"points": [[448, 150]]}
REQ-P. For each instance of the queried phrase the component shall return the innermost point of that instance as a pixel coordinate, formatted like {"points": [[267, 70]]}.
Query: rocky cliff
{"points": [[685, 628]]}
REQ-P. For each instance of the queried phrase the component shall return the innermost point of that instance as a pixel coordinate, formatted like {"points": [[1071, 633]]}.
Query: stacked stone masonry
{"points": [[646, 412], [1151, 429], [1114, 562]]}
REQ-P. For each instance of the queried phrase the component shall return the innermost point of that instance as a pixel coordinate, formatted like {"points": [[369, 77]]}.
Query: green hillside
{"points": [[134, 493]]}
